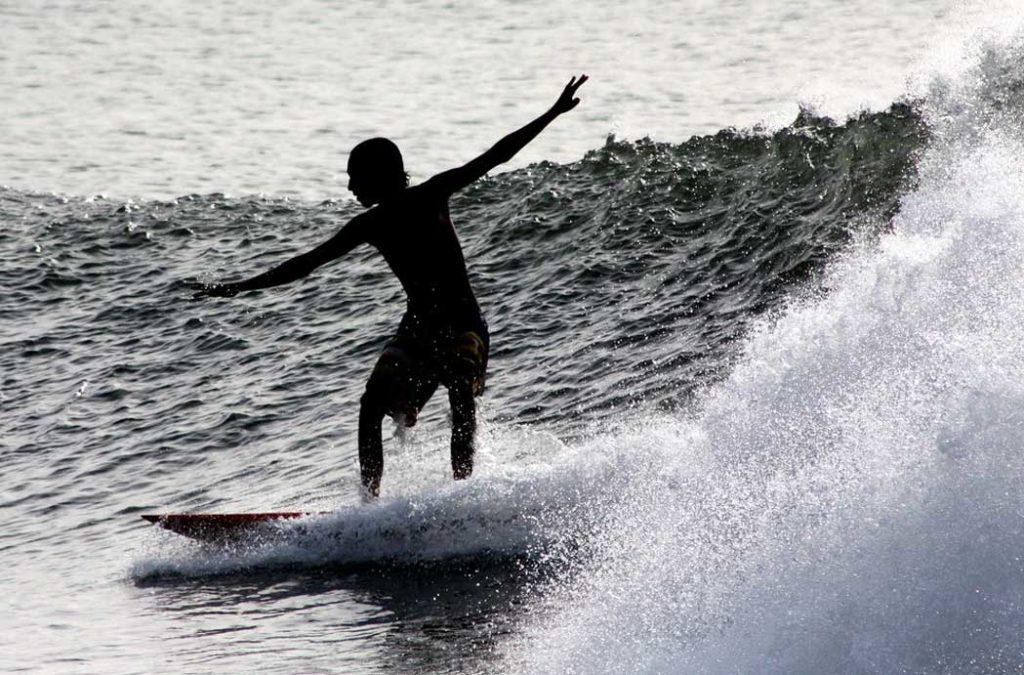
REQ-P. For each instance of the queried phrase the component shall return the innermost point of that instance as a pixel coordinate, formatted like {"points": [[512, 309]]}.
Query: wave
{"points": [[849, 498], [623, 279], [619, 289], [709, 258]]}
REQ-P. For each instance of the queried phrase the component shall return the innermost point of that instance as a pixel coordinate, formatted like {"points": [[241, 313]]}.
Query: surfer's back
{"points": [[415, 234]]}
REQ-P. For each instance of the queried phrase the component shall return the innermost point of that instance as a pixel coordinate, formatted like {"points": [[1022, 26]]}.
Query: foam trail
{"points": [[852, 497]]}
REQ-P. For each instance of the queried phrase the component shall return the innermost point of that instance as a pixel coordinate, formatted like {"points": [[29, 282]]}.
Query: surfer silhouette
{"points": [[443, 338]]}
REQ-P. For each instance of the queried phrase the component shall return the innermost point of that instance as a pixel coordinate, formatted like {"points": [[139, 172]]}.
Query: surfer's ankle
{"points": [[370, 490]]}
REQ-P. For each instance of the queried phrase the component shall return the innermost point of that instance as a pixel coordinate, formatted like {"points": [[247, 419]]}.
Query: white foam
{"points": [[531, 496], [852, 497]]}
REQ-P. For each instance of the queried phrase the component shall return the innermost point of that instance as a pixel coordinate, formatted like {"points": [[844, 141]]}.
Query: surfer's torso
{"points": [[415, 234]]}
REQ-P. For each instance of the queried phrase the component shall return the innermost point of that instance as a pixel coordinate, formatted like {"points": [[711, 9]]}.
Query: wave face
{"points": [[851, 497], [647, 260], [620, 279]]}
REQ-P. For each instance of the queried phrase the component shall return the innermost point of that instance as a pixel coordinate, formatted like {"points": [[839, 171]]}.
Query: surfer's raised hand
{"points": [[455, 179], [567, 100]]}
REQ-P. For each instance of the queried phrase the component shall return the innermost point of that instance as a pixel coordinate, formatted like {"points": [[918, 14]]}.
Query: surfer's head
{"points": [[375, 171]]}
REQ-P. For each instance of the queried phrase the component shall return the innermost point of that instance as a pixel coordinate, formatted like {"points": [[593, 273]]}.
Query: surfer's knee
{"points": [[468, 362], [398, 387]]}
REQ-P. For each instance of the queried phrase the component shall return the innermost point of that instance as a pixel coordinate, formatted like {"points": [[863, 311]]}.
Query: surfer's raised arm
{"points": [[455, 179], [347, 238]]}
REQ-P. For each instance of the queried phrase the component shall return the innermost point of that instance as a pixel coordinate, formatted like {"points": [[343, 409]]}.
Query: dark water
{"points": [[413, 619]]}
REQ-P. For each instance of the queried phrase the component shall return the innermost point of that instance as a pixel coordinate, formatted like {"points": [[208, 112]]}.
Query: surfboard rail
{"points": [[220, 526]]}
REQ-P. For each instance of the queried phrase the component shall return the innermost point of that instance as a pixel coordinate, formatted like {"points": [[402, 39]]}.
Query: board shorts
{"points": [[424, 354]]}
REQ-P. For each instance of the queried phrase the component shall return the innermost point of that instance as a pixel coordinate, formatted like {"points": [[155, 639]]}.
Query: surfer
{"points": [[443, 338]]}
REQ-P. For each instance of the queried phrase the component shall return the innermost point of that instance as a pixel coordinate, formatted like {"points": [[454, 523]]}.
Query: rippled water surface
{"points": [[754, 393], [161, 99]]}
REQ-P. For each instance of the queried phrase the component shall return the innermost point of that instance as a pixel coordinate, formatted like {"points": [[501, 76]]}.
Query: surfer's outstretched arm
{"points": [[298, 267], [455, 179]]}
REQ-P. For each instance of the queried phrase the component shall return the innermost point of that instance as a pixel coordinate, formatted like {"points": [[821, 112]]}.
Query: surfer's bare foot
{"points": [[369, 494], [371, 486]]}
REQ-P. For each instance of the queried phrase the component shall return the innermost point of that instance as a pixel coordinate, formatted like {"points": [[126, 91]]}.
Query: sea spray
{"points": [[851, 497]]}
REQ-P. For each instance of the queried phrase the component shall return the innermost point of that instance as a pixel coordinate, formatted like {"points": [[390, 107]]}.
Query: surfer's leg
{"points": [[465, 370], [378, 400], [399, 386], [371, 450], [460, 396], [401, 380]]}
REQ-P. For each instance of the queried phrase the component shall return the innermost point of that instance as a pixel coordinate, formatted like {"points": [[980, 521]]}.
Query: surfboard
{"points": [[221, 526]]}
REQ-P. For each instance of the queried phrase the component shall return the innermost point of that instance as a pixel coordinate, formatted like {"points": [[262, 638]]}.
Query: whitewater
{"points": [[850, 498], [755, 406]]}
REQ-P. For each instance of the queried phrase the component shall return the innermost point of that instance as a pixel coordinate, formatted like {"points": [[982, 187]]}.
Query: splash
{"points": [[851, 498], [540, 501]]}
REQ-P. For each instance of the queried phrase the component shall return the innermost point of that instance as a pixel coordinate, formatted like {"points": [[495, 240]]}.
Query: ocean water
{"points": [[755, 391], [162, 99]]}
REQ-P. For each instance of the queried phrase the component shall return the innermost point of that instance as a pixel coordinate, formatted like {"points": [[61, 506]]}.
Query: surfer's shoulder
{"points": [[430, 190], [361, 222]]}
